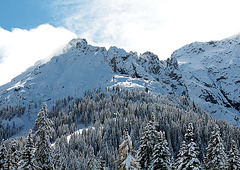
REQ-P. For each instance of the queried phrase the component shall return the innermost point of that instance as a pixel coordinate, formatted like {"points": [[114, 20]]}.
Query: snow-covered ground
{"points": [[78, 132]]}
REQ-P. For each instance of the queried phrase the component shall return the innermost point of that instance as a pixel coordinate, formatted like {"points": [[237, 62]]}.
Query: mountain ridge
{"points": [[212, 68], [82, 67]]}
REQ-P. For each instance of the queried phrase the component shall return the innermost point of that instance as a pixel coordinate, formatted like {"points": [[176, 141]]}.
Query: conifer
{"points": [[15, 156], [161, 158], [187, 155], [43, 152], [3, 153], [147, 142], [58, 161], [233, 157], [28, 161], [216, 157], [7, 160], [125, 158], [101, 163]]}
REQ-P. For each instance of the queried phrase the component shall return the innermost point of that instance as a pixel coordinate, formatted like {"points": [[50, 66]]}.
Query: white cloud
{"points": [[20, 49], [160, 26]]}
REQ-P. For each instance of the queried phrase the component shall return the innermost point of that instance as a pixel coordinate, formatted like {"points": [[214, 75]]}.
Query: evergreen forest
{"points": [[120, 128]]}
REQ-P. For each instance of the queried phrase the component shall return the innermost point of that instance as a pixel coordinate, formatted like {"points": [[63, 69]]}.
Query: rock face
{"points": [[207, 73], [211, 73], [81, 67]]}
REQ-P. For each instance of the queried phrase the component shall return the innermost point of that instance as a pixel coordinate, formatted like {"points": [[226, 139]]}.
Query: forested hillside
{"points": [[110, 115]]}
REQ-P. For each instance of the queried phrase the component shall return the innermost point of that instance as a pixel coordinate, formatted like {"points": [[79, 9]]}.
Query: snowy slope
{"points": [[211, 72], [82, 67], [71, 73], [205, 72]]}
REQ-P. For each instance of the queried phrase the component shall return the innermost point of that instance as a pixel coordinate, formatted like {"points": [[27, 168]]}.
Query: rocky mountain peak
{"points": [[207, 73]]}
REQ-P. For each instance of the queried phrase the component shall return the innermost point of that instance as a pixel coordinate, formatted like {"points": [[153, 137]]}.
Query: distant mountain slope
{"points": [[211, 73], [207, 73]]}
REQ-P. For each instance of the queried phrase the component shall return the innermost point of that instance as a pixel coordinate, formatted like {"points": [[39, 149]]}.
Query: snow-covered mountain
{"points": [[211, 73], [208, 73], [81, 67]]}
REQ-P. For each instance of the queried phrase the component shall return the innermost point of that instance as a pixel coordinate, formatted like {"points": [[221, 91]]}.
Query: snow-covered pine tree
{"points": [[161, 158], [43, 152], [125, 157], [91, 160], [233, 157], [194, 162], [58, 161], [216, 157], [187, 155], [28, 161], [147, 142], [2, 154], [189, 133], [7, 160], [181, 156], [101, 164], [15, 156]]}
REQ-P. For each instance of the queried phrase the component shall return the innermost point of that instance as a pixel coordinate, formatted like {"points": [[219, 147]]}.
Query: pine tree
{"points": [[28, 161], [233, 157], [147, 142], [15, 156], [101, 163], [43, 147], [187, 155], [58, 161], [215, 158], [161, 158], [181, 157], [91, 160], [3, 153], [7, 160], [125, 158]]}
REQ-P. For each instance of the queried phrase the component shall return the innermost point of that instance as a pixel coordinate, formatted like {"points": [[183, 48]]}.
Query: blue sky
{"points": [[24, 14], [31, 30], [28, 33]]}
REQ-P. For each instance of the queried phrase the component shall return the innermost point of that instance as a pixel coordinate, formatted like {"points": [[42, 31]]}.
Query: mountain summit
{"points": [[207, 73]]}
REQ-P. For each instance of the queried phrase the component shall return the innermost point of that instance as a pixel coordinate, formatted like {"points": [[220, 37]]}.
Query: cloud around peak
{"points": [[20, 48], [160, 26]]}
